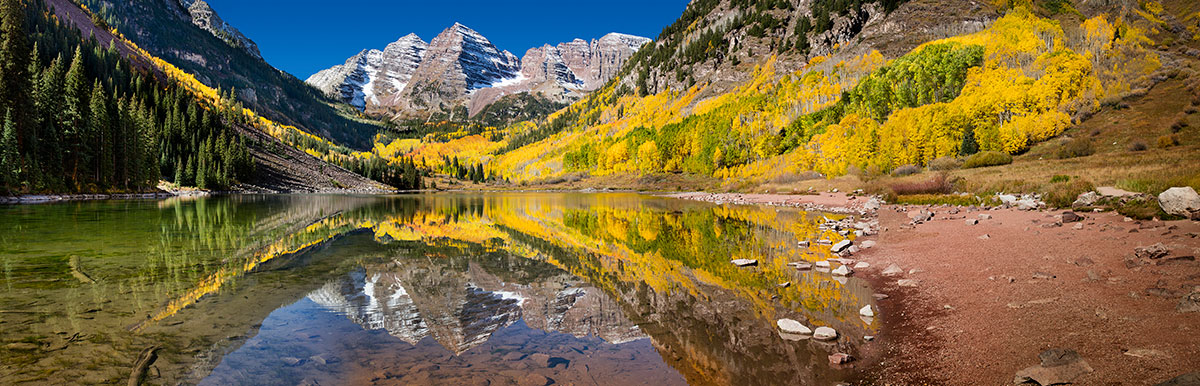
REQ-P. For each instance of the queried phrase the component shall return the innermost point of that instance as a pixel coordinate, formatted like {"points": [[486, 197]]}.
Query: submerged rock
{"points": [[825, 333], [893, 270], [1058, 366], [866, 311], [1189, 303], [792, 326], [843, 271], [840, 358], [1189, 379], [841, 246], [744, 262]]}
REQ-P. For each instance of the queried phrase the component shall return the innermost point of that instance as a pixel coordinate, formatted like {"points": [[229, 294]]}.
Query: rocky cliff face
{"points": [[371, 73], [204, 17], [460, 67]]}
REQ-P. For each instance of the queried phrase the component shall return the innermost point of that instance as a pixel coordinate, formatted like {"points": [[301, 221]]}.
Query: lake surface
{"points": [[505, 288]]}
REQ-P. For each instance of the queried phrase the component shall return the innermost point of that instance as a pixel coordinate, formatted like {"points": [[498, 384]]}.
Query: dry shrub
{"points": [[937, 184], [789, 177], [1075, 147], [906, 170], [1063, 193], [945, 163], [1168, 141], [1138, 146], [987, 158], [1180, 124]]}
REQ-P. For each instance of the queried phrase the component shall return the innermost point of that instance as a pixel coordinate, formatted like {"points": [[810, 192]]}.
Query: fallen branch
{"points": [[78, 272], [145, 359]]}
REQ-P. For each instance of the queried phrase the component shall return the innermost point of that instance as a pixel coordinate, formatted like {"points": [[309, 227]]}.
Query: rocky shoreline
{"points": [[1018, 294]]}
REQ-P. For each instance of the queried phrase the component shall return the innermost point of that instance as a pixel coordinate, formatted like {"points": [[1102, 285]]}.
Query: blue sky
{"points": [[305, 36]]}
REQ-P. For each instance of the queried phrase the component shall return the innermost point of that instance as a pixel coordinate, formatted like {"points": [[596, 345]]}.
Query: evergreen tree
{"points": [[74, 110], [969, 145], [14, 64], [9, 157], [99, 128], [49, 109]]}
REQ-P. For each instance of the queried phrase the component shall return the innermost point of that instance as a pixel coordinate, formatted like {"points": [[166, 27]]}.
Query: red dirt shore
{"points": [[979, 313]]}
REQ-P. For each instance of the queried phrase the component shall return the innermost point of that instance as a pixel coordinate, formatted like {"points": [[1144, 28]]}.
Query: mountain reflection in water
{"points": [[470, 288]]}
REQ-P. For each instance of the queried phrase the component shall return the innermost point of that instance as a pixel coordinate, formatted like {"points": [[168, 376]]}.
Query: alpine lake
{"points": [[455, 289]]}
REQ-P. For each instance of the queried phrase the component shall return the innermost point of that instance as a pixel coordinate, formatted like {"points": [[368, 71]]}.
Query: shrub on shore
{"points": [[945, 163], [987, 158], [1076, 147], [906, 170], [937, 184]]}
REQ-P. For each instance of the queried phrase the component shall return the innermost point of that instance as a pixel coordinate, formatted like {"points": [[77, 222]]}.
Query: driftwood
{"points": [[145, 359], [78, 272]]}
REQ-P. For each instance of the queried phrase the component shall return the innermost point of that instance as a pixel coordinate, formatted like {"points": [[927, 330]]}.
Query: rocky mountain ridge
{"points": [[462, 68], [204, 17]]}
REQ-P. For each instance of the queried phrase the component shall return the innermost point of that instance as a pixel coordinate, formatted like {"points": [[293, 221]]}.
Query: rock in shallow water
{"points": [[792, 326], [840, 358], [744, 262], [893, 270], [843, 271], [1058, 366], [866, 311], [841, 246], [825, 333]]}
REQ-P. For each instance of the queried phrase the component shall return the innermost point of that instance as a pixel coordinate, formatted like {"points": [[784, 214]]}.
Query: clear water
{"points": [[520, 288]]}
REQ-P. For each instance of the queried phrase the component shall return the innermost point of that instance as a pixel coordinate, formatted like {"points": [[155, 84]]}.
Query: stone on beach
{"points": [[841, 246], [1179, 201]]}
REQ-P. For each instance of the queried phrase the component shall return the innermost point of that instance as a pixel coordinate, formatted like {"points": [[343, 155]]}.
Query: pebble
{"points": [[985, 237]]}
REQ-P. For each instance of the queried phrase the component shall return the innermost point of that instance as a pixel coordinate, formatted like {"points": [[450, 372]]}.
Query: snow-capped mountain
{"points": [[371, 73], [462, 67], [204, 17]]}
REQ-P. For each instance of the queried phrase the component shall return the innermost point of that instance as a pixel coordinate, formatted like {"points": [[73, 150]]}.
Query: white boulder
{"points": [[1179, 201]]}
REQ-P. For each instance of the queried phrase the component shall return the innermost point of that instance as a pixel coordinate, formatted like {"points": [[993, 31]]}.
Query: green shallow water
{"points": [[564, 288]]}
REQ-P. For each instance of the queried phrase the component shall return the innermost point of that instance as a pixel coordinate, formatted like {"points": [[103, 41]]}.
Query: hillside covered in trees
{"points": [[80, 118]]}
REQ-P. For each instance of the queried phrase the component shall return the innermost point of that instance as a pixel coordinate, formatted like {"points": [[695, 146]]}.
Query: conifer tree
{"points": [[9, 162], [14, 63], [74, 110], [99, 128]]}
